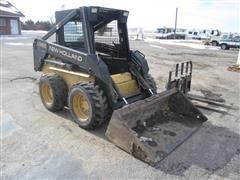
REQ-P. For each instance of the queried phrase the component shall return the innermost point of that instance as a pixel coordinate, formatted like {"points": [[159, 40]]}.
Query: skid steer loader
{"points": [[91, 70]]}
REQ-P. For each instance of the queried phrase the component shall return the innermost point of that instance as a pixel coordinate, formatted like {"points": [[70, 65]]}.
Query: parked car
{"points": [[214, 40], [204, 34], [230, 42], [169, 33]]}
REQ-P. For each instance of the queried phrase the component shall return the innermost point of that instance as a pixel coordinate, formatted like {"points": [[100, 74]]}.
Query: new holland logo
{"points": [[65, 53]]}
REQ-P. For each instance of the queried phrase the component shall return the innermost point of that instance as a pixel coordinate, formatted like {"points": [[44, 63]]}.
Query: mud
{"points": [[212, 95], [152, 143], [234, 68], [154, 123], [163, 132], [170, 133]]}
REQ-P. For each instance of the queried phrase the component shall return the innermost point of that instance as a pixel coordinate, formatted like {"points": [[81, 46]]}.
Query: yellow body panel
{"points": [[122, 77], [126, 84], [69, 77], [129, 88]]}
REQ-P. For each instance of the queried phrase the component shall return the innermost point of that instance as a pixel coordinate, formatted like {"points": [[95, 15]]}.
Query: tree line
{"points": [[39, 25]]}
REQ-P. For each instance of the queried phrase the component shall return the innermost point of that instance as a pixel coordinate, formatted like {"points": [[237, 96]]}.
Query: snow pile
{"points": [[18, 44]]}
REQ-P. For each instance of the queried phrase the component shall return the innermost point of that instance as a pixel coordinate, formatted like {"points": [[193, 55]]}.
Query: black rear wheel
{"points": [[152, 83], [88, 105], [53, 92]]}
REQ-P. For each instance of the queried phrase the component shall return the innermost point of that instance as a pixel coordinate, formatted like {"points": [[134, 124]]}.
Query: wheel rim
{"points": [[47, 94], [81, 107]]}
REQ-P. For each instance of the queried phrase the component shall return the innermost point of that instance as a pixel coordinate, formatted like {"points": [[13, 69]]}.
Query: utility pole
{"points": [[175, 23]]}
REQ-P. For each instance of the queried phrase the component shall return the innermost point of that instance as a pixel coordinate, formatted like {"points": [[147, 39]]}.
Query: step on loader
{"points": [[90, 69]]}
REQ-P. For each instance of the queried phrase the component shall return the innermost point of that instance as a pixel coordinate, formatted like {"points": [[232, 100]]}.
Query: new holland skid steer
{"points": [[91, 70]]}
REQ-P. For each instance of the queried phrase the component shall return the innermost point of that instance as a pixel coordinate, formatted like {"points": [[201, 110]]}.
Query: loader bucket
{"points": [[152, 128]]}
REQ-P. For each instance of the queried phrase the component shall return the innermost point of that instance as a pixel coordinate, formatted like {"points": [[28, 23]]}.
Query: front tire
{"points": [[88, 105]]}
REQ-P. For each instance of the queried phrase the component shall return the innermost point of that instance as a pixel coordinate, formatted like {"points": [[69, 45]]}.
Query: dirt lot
{"points": [[38, 144]]}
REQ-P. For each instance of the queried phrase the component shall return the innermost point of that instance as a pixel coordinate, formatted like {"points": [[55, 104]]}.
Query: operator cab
{"points": [[104, 32]]}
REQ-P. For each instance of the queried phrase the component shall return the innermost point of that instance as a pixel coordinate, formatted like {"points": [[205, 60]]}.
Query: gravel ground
{"points": [[39, 144]]}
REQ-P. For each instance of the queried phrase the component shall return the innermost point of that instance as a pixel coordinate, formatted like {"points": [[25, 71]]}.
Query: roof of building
{"points": [[8, 10]]}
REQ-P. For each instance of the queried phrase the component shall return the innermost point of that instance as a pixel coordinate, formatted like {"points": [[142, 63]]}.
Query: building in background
{"points": [[9, 19]]}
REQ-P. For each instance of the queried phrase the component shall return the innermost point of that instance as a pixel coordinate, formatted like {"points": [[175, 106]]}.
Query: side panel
{"points": [[69, 77]]}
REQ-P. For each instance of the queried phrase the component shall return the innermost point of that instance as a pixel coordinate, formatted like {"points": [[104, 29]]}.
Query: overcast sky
{"points": [[149, 14]]}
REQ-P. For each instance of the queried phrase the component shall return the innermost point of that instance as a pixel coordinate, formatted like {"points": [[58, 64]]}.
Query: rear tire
{"points": [[224, 46], [53, 92], [88, 105], [152, 83], [214, 43]]}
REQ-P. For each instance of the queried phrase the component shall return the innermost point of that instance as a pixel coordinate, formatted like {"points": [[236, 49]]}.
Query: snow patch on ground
{"points": [[18, 44], [26, 34], [159, 47], [33, 32], [195, 44], [13, 37]]}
